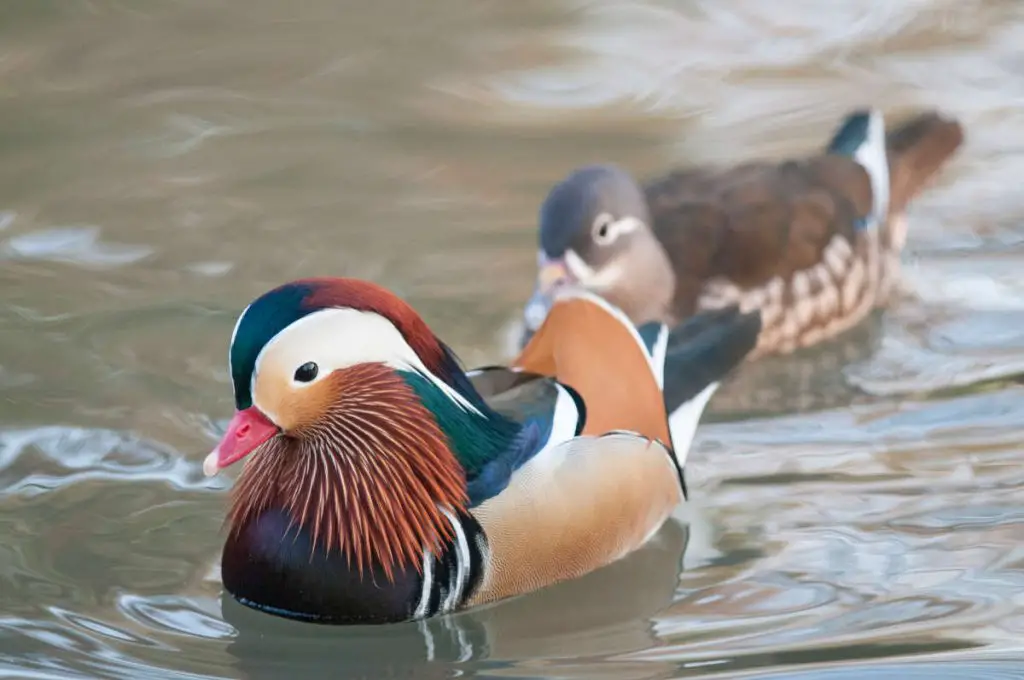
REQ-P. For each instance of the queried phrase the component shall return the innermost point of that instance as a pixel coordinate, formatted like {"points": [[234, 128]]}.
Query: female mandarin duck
{"points": [[382, 483], [813, 243]]}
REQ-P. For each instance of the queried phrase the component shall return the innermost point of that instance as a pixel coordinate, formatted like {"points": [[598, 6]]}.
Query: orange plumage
{"points": [[581, 344]]}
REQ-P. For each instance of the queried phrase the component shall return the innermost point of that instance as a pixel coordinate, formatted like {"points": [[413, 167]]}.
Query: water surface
{"points": [[163, 163]]}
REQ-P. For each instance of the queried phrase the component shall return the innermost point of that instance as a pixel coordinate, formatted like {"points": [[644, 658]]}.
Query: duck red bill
{"points": [[247, 430]]}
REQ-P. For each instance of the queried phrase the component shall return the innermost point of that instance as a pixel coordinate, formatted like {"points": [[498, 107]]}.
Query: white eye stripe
{"points": [[602, 229], [370, 338], [607, 229]]}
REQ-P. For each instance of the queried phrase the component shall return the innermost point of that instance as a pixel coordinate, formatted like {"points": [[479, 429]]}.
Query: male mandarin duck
{"points": [[383, 483], [814, 243]]}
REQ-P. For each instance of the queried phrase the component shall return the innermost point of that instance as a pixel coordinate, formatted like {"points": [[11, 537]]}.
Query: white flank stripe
{"points": [[565, 418], [563, 429], [428, 584], [462, 564]]}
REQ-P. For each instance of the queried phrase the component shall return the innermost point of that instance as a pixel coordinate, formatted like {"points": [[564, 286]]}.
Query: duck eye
{"points": [[306, 372], [602, 229]]}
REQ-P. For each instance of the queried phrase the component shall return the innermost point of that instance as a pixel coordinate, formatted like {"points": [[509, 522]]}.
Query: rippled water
{"points": [[162, 163]]}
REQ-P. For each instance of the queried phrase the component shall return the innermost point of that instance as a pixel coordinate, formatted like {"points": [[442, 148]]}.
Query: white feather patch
{"points": [[462, 563], [658, 354], [563, 428], [607, 277], [871, 155], [427, 585], [683, 422]]}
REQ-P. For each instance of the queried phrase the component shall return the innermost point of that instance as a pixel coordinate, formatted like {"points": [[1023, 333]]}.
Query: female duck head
{"points": [[330, 377]]}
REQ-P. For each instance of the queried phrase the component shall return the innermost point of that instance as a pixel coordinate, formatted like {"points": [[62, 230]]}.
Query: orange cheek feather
{"points": [[290, 406]]}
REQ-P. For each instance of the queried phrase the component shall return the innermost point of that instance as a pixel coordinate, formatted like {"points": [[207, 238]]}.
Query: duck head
{"points": [[353, 418], [595, 233]]}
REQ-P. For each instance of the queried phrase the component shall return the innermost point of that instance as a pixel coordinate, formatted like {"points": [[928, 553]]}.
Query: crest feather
{"points": [[275, 310]]}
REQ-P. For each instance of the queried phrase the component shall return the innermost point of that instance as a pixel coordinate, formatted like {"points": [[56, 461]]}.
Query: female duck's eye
{"points": [[602, 229], [306, 372]]}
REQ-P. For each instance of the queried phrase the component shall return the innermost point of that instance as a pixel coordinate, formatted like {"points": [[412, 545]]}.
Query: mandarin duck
{"points": [[384, 483], [814, 243]]}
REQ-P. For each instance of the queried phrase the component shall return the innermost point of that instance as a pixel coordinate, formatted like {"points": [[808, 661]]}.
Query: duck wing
{"points": [[800, 239]]}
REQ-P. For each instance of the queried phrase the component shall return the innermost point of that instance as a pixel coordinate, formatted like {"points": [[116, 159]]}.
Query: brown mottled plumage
{"points": [[806, 241]]}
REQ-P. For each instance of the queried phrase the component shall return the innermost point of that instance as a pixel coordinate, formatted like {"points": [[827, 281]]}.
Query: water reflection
{"points": [[74, 245], [162, 164], [561, 625]]}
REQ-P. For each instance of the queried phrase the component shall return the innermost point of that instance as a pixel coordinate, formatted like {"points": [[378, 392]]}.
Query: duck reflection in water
{"points": [[605, 613]]}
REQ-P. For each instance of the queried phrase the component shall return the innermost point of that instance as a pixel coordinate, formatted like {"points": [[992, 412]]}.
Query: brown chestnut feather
{"points": [[368, 477]]}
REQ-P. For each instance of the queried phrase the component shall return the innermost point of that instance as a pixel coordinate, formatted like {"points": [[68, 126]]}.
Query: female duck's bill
{"points": [[382, 483]]}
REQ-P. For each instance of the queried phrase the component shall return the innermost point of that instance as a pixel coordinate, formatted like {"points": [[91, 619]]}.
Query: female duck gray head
{"points": [[595, 232]]}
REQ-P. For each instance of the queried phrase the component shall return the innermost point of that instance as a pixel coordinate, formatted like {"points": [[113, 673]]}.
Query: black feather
{"points": [[704, 349]]}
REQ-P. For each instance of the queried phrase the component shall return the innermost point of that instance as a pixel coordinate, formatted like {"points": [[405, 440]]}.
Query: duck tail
{"points": [[862, 137], [700, 353], [917, 149]]}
